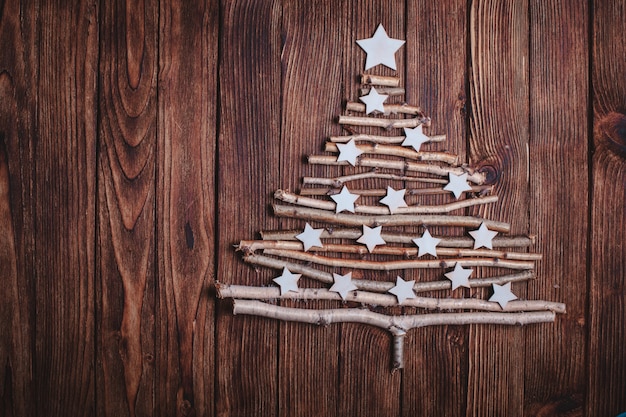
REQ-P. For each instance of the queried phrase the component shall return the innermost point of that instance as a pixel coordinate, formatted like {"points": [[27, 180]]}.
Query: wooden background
{"points": [[139, 141]]}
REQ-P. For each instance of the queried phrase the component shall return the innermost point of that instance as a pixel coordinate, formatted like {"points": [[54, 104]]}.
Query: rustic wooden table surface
{"points": [[140, 141]]}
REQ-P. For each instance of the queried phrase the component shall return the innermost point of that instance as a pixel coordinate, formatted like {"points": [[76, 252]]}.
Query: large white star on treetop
{"points": [[348, 152], [459, 276], [374, 101], [345, 200], [380, 49], [287, 281], [483, 237], [310, 237], [371, 237], [457, 184], [426, 244], [394, 199], [403, 290], [343, 285], [415, 137], [502, 294]]}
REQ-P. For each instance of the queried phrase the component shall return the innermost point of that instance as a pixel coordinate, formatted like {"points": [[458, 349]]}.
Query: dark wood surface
{"points": [[139, 141]]}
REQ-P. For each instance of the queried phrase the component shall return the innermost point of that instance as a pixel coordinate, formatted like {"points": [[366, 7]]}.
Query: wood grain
{"points": [[498, 145], [558, 184], [126, 207], [607, 290], [248, 154], [186, 142]]}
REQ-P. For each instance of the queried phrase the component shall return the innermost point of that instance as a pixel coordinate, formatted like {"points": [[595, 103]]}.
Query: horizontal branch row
{"points": [[379, 192], [385, 140], [401, 152]]}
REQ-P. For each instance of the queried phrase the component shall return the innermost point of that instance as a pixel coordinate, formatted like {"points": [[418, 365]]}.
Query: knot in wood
{"points": [[490, 172], [612, 133]]}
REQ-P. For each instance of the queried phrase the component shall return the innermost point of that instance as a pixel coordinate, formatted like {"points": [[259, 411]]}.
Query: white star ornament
{"points": [[374, 101], [502, 294], [483, 237], [459, 276], [394, 199], [426, 244], [310, 237], [344, 200], [457, 184], [348, 152], [403, 290], [380, 49], [371, 237], [287, 281], [343, 285], [415, 137]]}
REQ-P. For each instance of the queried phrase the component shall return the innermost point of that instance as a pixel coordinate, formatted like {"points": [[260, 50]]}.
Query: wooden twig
{"points": [[347, 219], [380, 286], [379, 122], [444, 171], [337, 182], [398, 264], [380, 80], [396, 325], [390, 237], [384, 300], [292, 245], [390, 91], [387, 140], [316, 203], [402, 152], [388, 108], [379, 192]]}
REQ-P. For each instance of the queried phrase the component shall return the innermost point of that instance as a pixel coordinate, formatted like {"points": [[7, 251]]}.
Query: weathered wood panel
{"points": [[126, 208], [558, 204], [607, 291], [498, 145], [248, 154], [435, 375], [186, 142], [18, 95]]}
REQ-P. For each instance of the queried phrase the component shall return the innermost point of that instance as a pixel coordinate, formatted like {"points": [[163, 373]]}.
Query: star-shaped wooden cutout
{"points": [[459, 276], [394, 199], [380, 49], [371, 237], [415, 137], [502, 294], [483, 237], [288, 281], [345, 200], [310, 237], [427, 244], [343, 285], [457, 184], [374, 101], [403, 290], [348, 152]]}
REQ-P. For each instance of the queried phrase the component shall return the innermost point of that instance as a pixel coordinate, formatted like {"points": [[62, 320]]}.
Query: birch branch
{"points": [[402, 152], [472, 175], [379, 192], [384, 300], [330, 206], [399, 264], [387, 220], [387, 124], [380, 286], [292, 245], [396, 325], [387, 140], [337, 182], [390, 237], [388, 108], [390, 91], [383, 80]]}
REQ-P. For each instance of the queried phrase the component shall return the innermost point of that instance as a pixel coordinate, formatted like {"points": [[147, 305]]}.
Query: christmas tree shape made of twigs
{"points": [[364, 236]]}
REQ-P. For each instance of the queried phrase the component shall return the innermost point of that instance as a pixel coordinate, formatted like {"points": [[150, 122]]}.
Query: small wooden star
{"points": [[374, 101], [287, 281], [343, 285], [415, 137], [457, 184], [459, 276], [502, 294], [483, 237], [403, 290], [380, 49], [348, 152], [310, 237], [371, 237], [345, 200], [427, 244], [394, 199]]}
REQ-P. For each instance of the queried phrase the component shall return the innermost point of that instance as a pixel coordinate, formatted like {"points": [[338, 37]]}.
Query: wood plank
{"points": [[18, 99], [607, 292], [555, 353], [435, 377], [126, 208], [186, 143], [64, 186], [313, 75], [248, 154], [498, 144]]}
